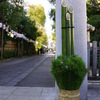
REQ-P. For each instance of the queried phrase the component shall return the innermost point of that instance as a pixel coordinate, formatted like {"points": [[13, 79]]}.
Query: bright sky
{"points": [[47, 6]]}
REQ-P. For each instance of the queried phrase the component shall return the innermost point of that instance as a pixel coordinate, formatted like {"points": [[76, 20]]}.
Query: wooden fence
{"points": [[93, 60], [10, 46]]}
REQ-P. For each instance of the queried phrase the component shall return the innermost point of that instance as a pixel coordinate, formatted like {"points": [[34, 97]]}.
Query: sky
{"points": [[47, 7]]}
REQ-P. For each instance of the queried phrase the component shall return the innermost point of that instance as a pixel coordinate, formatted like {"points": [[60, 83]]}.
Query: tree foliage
{"points": [[53, 37], [16, 18], [91, 10], [52, 1], [28, 27], [43, 39], [10, 11], [94, 19], [52, 16], [36, 12]]}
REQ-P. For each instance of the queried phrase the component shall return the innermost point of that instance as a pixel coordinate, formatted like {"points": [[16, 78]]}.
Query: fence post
{"points": [[99, 58], [88, 56], [94, 68]]}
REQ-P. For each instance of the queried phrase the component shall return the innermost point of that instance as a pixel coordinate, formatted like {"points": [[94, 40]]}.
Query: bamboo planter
{"points": [[69, 95]]}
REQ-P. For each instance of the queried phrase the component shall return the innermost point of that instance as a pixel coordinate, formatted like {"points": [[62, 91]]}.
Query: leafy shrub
{"points": [[9, 54], [69, 72]]}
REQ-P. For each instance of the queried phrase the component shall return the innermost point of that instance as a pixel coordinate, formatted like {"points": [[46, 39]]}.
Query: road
{"points": [[15, 70], [40, 77]]}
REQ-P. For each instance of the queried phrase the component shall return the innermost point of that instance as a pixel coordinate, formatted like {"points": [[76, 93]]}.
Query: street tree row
{"points": [[30, 23]]}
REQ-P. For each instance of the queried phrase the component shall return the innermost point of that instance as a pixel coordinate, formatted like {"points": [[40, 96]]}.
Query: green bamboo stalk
{"points": [[68, 39], [63, 31], [72, 34]]}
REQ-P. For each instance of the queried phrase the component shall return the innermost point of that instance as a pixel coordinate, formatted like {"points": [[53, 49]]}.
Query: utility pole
{"points": [[0, 41], [2, 46], [3, 28], [1, 36]]}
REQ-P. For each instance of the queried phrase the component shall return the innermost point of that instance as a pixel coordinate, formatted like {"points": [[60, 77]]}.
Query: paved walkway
{"points": [[93, 91], [41, 93], [27, 93], [13, 71], [40, 76]]}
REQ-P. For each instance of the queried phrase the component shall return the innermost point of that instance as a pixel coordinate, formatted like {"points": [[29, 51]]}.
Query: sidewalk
{"points": [[93, 91], [27, 93], [41, 93]]}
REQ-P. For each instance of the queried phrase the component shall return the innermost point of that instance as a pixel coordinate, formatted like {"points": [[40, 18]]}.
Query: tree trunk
{"points": [[2, 46]]}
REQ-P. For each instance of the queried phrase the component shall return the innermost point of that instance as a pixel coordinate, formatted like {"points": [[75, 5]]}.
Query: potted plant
{"points": [[69, 74]]}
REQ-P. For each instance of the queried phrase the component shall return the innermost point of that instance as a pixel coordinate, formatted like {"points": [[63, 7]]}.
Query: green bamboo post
{"points": [[70, 9], [72, 34], [66, 31], [68, 36], [63, 31]]}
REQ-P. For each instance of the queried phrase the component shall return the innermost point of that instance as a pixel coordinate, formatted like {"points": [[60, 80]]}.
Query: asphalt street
{"points": [[40, 77], [15, 70]]}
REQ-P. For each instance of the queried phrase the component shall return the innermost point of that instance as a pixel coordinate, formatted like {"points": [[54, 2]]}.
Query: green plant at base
{"points": [[69, 72]]}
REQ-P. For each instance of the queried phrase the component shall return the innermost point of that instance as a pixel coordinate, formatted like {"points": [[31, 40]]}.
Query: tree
{"points": [[43, 39], [52, 16], [3, 1], [53, 37], [52, 1], [52, 13], [17, 2], [9, 11], [27, 27], [94, 3], [95, 21], [93, 14], [92, 10], [36, 12]]}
